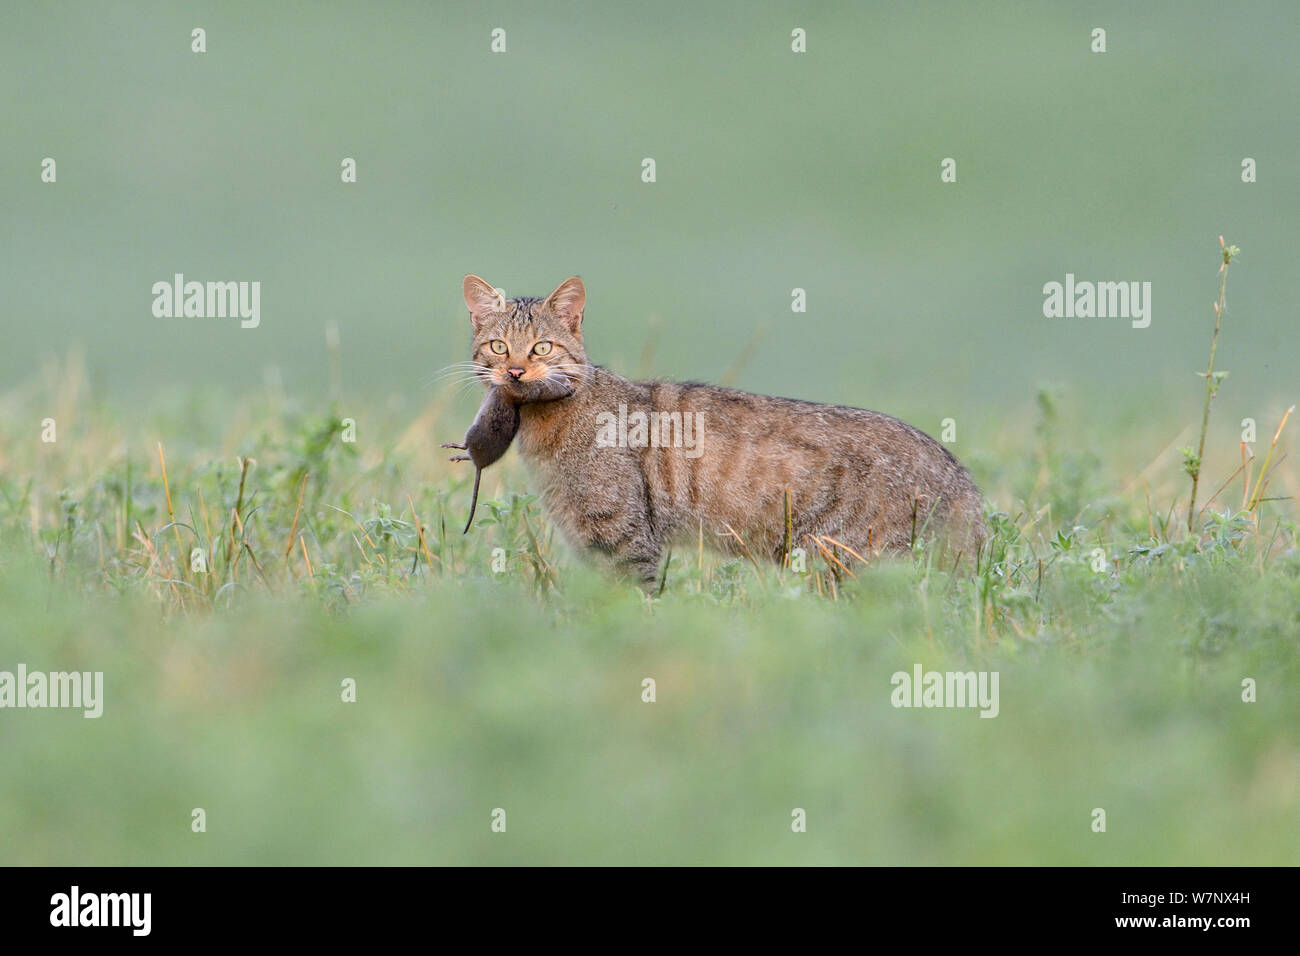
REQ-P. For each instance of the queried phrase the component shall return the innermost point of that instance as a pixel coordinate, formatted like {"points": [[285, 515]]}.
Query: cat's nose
{"points": [[515, 372]]}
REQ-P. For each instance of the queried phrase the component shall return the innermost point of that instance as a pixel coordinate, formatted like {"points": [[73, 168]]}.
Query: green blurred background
{"points": [[469, 698], [775, 171]]}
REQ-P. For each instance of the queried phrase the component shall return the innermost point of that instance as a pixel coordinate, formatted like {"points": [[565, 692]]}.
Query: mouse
{"points": [[497, 421]]}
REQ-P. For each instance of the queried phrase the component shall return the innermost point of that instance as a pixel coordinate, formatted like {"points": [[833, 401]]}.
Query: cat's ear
{"points": [[568, 301], [481, 299]]}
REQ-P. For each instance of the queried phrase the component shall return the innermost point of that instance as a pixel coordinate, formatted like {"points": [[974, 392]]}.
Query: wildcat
{"points": [[759, 476]]}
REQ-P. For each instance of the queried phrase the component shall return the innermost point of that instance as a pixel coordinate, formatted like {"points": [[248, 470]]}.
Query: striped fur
{"points": [[870, 482]]}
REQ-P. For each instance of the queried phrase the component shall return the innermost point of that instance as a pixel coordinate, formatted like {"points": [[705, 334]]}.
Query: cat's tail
{"points": [[965, 532]]}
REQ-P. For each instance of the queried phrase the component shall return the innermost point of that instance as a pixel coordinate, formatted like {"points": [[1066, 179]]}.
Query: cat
{"points": [[760, 476]]}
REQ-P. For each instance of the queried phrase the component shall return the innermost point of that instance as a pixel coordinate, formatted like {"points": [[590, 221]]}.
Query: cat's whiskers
{"points": [[454, 368], [458, 365], [458, 386], [572, 370], [461, 371]]}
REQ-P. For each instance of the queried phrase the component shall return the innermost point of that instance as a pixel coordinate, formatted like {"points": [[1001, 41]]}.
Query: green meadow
{"points": [[513, 678], [242, 527]]}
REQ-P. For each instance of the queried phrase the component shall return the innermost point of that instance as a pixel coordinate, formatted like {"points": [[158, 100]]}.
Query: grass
{"points": [[229, 565]]}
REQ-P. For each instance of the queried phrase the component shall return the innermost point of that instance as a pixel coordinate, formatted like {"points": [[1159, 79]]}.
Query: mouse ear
{"points": [[481, 299], [568, 302]]}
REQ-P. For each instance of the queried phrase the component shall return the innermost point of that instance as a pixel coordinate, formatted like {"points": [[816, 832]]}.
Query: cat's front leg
{"points": [[626, 538], [641, 565]]}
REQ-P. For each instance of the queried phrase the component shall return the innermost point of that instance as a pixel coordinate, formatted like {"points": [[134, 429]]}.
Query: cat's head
{"points": [[527, 339]]}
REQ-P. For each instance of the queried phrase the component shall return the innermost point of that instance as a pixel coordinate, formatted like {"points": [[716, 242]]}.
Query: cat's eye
{"points": [[498, 346], [541, 348]]}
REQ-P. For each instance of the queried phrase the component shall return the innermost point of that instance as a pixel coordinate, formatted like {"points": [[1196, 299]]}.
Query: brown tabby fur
{"points": [[870, 482]]}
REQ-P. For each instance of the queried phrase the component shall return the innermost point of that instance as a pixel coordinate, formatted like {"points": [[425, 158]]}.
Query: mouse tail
{"points": [[473, 501]]}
